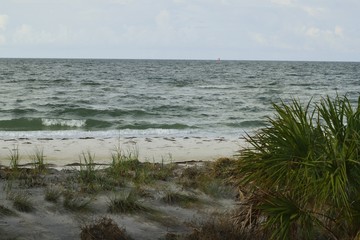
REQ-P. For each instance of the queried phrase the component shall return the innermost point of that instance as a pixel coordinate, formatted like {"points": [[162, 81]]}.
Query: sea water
{"points": [[113, 98]]}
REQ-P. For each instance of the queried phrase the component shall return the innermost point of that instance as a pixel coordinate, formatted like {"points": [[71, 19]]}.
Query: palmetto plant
{"points": [[303, 169]]}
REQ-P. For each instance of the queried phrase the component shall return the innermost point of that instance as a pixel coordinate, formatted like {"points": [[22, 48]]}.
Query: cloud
{"points": [[26, 34], [315, 32], [3, 21], [313, 11]]}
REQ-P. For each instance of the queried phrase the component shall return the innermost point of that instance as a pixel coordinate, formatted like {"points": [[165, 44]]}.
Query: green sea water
{"points": [[107, 98]]}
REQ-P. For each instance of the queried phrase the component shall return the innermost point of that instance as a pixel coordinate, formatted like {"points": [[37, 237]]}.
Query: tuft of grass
{"points": [[216, 228], [177, 198], [75, 202], [163, 171], [22, 202], [191, 177], [87, 170], [103, 228], [4, 211], [14, 157], [38, 160], [217, 189], [124, 163], [126, 203], [52, 194], [221, 167]]}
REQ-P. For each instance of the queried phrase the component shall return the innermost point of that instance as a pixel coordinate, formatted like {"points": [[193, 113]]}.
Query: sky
{"points": [[305, 30]]}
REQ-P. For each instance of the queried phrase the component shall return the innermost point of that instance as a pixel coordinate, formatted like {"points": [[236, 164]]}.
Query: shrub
{"points": [[302, 172], [216, 228], [104, 228]]}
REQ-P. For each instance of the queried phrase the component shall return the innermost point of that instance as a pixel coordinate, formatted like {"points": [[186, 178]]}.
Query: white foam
{"points": [[63, 122]]}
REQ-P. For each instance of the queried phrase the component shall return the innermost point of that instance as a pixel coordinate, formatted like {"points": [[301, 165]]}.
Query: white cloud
{"points": [[331, 39], [3, 21], [315, 32], [26, 34], [313, 11], [171, 26]]}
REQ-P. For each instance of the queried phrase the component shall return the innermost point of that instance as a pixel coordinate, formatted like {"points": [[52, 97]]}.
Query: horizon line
{"points": [[182, 59]]}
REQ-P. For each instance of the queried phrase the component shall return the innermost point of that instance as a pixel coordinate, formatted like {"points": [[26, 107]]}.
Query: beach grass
{"points": [[126, 203], [14, 157], [38, 159], [22, 202], [139, 189], [74, 201], [181, 199], [87, 172], [5, 211], [53, 193]]}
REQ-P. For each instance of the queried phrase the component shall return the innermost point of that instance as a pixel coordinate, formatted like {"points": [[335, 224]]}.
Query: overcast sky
{"points": [[182, 29]]}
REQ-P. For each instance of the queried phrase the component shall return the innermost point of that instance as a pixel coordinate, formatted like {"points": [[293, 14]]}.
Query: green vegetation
{"points": [[52, 194], [211, 178], [75, 202], [14, 157], [4, 211], [126, 203], [177, 198], [22, 202], [104, 228], [139, 188], [301, 174], [215, 228], [87, 172], [38, 160]]}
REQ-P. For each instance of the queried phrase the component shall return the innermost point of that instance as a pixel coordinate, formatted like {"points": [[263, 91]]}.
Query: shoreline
{"points": [[67, 151]]}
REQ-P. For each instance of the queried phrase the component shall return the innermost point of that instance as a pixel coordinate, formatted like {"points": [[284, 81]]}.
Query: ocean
{"points": [[74, 98]]}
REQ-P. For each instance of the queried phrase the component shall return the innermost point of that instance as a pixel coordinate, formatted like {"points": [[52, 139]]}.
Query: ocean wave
{"points": [[86, 112], [63, 123], [247, 124], [38, 124], [21, 124], [145, 126]]}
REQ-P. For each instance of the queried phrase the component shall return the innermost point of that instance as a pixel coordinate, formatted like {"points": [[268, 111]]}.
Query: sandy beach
{"points": [[61, 152], [172, 197]]}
